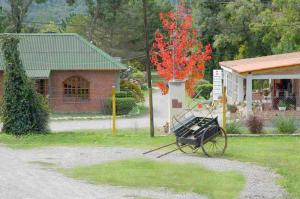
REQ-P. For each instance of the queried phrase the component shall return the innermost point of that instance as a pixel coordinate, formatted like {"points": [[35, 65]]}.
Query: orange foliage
{"points": [[163, 87], [177, 53]]}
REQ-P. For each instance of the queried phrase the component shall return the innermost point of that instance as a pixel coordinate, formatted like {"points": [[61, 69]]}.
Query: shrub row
{"points": [[123, 105], [123, 94], [284, 125]]}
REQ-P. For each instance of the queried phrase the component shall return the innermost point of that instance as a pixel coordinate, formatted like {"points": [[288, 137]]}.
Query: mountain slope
{"points": [[52, 10]]}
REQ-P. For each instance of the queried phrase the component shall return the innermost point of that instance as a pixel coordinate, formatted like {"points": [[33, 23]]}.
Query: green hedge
{"points": [[204, 90], [123, 94], [134, 88], [124, 105]]}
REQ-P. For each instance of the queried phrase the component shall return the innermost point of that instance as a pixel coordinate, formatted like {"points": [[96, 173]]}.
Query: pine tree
{"points": [[24, 110]]}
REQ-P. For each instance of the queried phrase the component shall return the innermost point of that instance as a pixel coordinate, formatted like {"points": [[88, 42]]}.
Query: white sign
{"points": [[217, 84]]}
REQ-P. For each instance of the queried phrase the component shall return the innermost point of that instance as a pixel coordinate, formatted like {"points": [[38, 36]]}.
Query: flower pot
{"points": [[282, 108], [266, 93]]}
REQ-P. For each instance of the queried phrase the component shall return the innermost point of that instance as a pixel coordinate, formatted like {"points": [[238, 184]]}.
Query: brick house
{"points": [[71, 72]]}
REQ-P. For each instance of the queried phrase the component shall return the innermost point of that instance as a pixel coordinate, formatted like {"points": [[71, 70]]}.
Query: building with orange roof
{"points": [[268, 82]]}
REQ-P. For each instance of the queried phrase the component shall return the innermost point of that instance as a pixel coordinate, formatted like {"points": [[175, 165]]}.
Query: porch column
{"points": [[240, 91], [249, 94]]}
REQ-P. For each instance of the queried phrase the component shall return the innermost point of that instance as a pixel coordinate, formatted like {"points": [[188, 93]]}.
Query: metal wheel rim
{"points": [[217, 146]]}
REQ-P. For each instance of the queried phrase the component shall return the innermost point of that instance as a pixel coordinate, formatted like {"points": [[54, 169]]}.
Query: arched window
{"points": [[76, 88]]}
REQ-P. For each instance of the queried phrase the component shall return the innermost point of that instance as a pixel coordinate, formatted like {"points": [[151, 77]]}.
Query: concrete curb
{"points": [[100, 117]]}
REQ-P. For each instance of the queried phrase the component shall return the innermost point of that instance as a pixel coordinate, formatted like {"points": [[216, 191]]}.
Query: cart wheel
{"points": [[217, 145], [184, 148]]}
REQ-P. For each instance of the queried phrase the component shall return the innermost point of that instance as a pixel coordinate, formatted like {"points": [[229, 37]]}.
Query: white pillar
{"points": [[240, 90], [176, 100], [249, 94]]}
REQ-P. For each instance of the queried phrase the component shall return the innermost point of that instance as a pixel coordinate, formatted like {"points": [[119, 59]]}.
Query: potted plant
{"points": [[281, 105], [266, 92]]}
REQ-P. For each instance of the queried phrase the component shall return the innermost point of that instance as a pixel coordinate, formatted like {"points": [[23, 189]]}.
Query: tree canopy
{"points": [[177, 53], [235, 28]]}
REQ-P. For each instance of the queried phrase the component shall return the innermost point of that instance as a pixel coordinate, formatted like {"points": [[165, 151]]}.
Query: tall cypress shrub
{"points": [[24, 110]]}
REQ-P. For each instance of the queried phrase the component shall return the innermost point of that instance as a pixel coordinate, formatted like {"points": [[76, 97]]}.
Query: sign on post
{"points": [[217, 84]]}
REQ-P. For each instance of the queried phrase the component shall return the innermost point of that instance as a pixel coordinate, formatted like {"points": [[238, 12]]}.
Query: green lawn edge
{"points": [[281, 153], [177, 177]]}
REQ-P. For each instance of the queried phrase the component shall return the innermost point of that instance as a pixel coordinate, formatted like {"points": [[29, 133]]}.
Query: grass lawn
{"points": [[149, 173], [125, 138], [279, 153], [282, 154]]}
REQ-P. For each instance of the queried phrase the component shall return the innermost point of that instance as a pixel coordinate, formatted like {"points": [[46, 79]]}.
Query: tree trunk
{"points": [[148, 68]]}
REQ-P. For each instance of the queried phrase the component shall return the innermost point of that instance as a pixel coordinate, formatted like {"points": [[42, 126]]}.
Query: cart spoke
{"points": [[217, 145]]}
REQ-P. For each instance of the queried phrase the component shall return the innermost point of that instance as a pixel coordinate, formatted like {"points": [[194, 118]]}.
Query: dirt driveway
{"points": [[25, 174]]}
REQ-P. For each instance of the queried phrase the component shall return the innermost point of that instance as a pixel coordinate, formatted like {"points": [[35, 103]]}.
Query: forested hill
{"points": [[52, 10], [236, 29]]}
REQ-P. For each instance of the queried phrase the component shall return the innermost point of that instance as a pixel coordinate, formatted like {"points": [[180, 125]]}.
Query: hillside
{"points": [[53, 10]]}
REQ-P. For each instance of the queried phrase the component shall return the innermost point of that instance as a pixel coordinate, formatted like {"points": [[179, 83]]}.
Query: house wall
{"points": [[101, 83], [235, 87]]}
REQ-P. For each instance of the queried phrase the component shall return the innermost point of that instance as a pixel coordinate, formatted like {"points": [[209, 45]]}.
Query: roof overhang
{"points": [[38, 74], [266, 64]]}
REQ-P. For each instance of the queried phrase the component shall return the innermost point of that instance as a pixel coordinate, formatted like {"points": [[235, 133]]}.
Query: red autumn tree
{"points": [[177, 52]]}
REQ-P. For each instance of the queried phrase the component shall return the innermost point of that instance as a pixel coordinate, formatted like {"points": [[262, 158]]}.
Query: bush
{"points": [[203, 81], [134, 88], [204, 90], [144, 87], [136, 64], [255, 124], [123, 105], [233, 128], [232, 108], [285, 125], [138, 75], [24, 110], [123, 94]]}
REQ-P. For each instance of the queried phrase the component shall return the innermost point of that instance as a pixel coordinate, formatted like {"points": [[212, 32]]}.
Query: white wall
{"points": [[235, 87]]}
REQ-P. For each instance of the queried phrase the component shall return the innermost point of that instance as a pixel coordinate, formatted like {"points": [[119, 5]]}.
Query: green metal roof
{"points": [[38, 73], [43, 52]]}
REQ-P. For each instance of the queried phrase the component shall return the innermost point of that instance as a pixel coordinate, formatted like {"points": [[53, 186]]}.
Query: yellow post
{"points": [[114, 129], [224, 107]]}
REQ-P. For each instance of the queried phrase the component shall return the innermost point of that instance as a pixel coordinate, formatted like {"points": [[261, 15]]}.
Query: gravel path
{"points": [[20, 178]]}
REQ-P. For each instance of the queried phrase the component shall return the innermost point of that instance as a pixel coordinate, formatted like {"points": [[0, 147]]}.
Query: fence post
{"points": [[114, 129], [224, 107]]}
